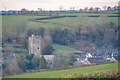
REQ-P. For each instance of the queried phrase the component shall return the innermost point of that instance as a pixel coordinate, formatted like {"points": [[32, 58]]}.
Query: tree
{"points": [[91, 9], [109, 8], [47, 50], [36, 61], [72, 59], [61, 8], [12, 68], [43, 63], [97, 9], [22, 63], [72, 8], [63, 59], [105, 7], [86, 9], [50, 12], [36, 31], [29, 57]]}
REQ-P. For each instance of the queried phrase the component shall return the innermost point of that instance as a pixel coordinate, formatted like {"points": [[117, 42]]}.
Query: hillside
{"points": [[63, 48], [57, 74]]}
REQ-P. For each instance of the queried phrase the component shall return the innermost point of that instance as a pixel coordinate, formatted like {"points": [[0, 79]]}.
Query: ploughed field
{"points": [[59, 73]]}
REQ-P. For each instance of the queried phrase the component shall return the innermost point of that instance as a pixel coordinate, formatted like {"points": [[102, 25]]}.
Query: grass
{"points": [[71, 21], [85, 14], [62, 48], [57, 74], [74, 20], [10, 19]]}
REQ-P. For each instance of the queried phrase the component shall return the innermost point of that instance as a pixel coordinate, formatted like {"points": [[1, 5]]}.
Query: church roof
{"points": [[48, 57]]}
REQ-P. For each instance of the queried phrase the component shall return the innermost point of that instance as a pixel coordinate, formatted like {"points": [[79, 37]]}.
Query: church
{"points": [[35, 47]]}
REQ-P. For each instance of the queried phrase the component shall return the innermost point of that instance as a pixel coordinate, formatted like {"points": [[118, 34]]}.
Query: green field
{"points": [[85, 14], [73, 20], [70, 21], [57, 74], [13, 18], [63, 48], [10, 19]]}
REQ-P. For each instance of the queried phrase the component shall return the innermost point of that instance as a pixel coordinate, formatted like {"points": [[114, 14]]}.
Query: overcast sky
{"points": [[54, 4]]}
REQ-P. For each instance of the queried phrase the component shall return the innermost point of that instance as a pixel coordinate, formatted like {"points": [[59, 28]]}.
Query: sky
{"points": [[54, 4]]}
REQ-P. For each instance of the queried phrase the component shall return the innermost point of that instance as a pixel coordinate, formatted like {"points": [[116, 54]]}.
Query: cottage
{"points": [[88, 55], [94, 60], [114, 59], [90, 61], [81, 59]]}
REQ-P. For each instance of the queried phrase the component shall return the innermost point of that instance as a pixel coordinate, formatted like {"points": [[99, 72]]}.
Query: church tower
{"points": [[35, 45]]}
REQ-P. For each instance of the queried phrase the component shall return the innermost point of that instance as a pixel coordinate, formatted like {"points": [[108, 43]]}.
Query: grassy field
{"points": [[70, 21], [10, 19], [13, 18], [57, 74], [74, 20], [63, 48], [85, 14]]}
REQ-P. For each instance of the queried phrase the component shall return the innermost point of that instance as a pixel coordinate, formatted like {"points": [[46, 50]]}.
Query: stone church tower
{"points": [[35, 45]]}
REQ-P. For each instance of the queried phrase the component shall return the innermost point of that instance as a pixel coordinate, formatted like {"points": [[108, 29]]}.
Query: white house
{"points": [[88, 55]]}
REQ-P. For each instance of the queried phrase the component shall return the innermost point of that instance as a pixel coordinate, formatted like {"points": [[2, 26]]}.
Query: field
{"points": [[70, 21], [63, 48], [10, 19], [85, 14], [73, 20], [57, 74]]}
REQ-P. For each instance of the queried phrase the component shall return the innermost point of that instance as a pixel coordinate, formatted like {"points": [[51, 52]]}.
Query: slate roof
{"points": [[8, 57], [48, 57], [117, 58], [97, 59], [92, 61]]}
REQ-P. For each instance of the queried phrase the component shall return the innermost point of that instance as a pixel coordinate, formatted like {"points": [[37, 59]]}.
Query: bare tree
{"points": [[61, 8], [86, 9], [12, 68], [105, 7]]}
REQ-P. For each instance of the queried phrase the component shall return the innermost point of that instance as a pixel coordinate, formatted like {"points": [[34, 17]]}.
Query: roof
{"points": [[96, 59], [48, 57], [80, 58], [93, 61], [88, 55], [117, 58], [9, 57]]}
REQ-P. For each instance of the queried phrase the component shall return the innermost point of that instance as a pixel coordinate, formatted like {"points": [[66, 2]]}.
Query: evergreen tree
{"points": [[43, 63]]}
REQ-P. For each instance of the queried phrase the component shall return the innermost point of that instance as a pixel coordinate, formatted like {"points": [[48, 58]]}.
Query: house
{"points": [[115, 59], [81, 59], [7, 58], [94, 60], [88, 55], [90, 61], [49, 59], [35, 45]]}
